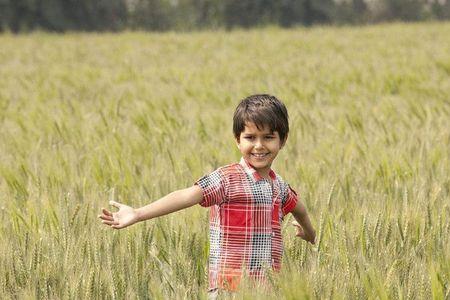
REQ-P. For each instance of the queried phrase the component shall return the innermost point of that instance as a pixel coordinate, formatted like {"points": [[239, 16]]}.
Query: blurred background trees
{"points": [[161, 15]]}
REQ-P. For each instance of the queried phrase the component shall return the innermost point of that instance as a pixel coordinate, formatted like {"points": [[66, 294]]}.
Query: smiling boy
{"points": [[248, 200]]}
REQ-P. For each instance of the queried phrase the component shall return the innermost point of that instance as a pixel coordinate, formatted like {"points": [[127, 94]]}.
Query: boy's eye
{"points": [[249, 137], [269, 137]]}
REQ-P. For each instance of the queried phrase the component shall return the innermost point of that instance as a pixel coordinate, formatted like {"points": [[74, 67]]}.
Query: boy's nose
{"points": [[258, 144]]}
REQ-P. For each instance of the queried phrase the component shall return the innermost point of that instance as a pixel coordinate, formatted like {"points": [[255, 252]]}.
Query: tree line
{"points": [[162, 15]]}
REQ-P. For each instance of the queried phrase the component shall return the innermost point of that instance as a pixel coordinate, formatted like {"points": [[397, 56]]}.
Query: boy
{"points": [[247, 199]]}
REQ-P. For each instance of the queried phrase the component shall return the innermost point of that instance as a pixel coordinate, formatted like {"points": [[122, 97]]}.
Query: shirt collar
{"points": [[250, 170]]}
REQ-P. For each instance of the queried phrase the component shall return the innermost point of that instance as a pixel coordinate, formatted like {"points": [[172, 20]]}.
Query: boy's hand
{"points": [[301, 233], [126, 216]]}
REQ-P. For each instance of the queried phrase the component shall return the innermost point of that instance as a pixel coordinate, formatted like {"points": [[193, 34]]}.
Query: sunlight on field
{"points": [[142, 114]]}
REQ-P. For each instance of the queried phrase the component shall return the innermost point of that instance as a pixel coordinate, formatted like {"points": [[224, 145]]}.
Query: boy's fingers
{"points": [[106, 212], [295, 223], [110, 223], [107, 218], [115, 204]]}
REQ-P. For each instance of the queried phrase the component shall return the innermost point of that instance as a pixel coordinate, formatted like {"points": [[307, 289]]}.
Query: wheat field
{"points": [[86, 118]]}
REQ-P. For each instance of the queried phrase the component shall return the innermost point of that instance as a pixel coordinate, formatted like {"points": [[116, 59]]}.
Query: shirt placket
{"points": [[275, 218]]}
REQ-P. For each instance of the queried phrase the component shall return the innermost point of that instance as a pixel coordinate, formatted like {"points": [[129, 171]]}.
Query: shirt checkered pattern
{"points": [[245, 222]]}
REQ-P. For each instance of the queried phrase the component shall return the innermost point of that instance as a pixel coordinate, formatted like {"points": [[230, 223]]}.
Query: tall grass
{"points": [[82, 115]]}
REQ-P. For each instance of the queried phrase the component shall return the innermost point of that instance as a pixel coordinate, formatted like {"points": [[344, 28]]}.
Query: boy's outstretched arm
{"points": [[304, 227], [172, 202]]}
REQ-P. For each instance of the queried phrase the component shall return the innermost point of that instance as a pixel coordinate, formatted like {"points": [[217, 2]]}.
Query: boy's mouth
{"points": [[259, 155]]}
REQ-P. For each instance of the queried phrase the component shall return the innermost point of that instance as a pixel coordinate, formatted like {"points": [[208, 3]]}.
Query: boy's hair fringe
{"points": [[262, 110]]}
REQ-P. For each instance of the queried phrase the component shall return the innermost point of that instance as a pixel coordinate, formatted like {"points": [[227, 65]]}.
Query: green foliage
{"points": [[86, 118], [62, 15], [189, 15]]}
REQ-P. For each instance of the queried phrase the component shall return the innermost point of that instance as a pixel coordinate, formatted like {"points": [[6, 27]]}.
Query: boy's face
{"points": [[259, 147]]}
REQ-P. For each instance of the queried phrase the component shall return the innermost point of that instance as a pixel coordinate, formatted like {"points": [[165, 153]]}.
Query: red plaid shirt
{"points": [[245, 222]]}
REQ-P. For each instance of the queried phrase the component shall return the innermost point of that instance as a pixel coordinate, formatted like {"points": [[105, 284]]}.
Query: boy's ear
{"points": [[238, 142]]}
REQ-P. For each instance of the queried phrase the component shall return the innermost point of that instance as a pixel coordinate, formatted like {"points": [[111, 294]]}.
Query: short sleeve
{"points": [[213, 186], [290, 200]]}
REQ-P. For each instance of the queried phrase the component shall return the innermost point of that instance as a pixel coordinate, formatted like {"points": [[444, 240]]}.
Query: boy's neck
{"points": [[266, 173]]}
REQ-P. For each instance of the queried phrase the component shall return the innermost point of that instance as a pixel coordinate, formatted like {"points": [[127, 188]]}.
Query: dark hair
{"points": [[262, 110]]}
